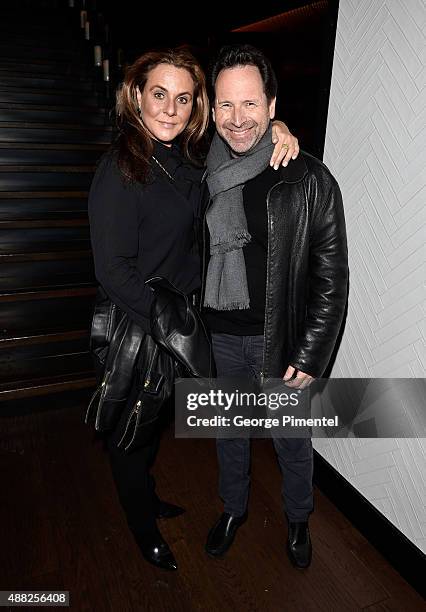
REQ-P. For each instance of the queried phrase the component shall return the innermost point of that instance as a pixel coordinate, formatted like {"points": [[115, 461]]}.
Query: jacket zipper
{"points": [[134, 411], [268, 263], [103, 389], [136, 408], [262, 373]]}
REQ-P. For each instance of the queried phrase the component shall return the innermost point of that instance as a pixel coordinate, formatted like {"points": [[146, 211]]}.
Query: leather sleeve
{"points": [[327, 279]]}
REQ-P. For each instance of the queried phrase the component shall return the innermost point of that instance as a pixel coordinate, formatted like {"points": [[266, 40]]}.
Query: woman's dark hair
{"points": [[134, 144], [231, 56]]}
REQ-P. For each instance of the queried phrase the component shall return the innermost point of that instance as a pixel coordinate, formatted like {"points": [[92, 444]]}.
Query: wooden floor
{"points": [[62, 528]]}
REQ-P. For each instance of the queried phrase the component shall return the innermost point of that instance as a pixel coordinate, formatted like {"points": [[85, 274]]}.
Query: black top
{"points": [[250, 322], [139, 231]]}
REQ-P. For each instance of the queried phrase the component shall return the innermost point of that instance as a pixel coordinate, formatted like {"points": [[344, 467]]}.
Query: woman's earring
{"points": [[139, 111]]}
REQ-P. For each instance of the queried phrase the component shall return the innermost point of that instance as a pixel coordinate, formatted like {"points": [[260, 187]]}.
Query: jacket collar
{"points": [[295, 171]]}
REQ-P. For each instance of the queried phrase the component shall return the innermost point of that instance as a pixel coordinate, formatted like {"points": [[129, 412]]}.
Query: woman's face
{"points": [[166, 101]]}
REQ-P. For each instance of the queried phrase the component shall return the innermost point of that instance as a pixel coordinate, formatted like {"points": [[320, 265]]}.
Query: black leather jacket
{"points": [[307, 270]]}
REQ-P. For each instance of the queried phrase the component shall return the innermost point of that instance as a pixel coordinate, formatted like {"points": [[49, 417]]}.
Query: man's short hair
{"points": [[230, 56]]}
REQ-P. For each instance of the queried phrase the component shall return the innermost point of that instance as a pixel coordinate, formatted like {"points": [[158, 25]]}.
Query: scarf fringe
{"points": [[230, 242], [231, 306]]}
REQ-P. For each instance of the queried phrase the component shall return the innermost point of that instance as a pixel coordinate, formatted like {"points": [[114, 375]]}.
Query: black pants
{"points": [[241, 357], [133, 480]]}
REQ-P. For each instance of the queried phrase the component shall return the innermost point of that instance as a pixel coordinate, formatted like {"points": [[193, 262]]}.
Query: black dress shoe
{"points": [[156, 551], [299, 547], [166, 510], [222, 534]]}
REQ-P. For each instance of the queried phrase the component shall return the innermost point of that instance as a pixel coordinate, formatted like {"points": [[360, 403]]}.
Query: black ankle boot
{"points": [[299, 547], [222, 534]]}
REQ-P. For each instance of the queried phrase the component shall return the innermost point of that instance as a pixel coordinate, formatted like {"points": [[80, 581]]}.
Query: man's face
{"points": [[241, 110]]}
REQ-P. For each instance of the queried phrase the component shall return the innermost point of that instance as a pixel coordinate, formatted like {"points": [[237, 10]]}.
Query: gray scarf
{"points": [[226, 282]]}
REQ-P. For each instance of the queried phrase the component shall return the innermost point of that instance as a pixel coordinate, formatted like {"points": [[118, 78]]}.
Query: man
{"points": [[276, 284]]}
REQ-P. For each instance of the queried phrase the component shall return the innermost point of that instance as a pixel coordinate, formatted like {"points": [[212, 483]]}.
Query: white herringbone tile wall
{"points": [[376, 148]]}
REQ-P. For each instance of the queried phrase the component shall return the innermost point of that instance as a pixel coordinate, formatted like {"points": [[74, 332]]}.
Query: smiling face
{"points": [[241, 109], [166, 101]]}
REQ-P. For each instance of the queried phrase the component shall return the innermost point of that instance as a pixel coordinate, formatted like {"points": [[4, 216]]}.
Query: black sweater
{"points": [[139, 231]]}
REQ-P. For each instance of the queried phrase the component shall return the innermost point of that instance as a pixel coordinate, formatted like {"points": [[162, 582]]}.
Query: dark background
{"points": [[299, 40]]}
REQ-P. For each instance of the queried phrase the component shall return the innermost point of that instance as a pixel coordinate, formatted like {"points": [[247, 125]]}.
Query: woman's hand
{"points": [[286, 145]]}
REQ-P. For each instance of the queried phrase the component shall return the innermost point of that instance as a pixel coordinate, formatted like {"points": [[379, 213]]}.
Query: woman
{"points": [[143, 206]]}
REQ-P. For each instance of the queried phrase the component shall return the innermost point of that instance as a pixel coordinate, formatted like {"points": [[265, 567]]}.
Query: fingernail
{"points": [[276, 167], [285, 164], [294, 157], [271, 163]]}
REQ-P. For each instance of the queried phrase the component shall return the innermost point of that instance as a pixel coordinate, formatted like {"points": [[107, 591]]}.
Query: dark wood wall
{"points": [[297, 36]]}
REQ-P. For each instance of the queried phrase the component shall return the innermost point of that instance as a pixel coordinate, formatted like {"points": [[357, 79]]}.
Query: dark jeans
{"points": [[241, 357]]}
